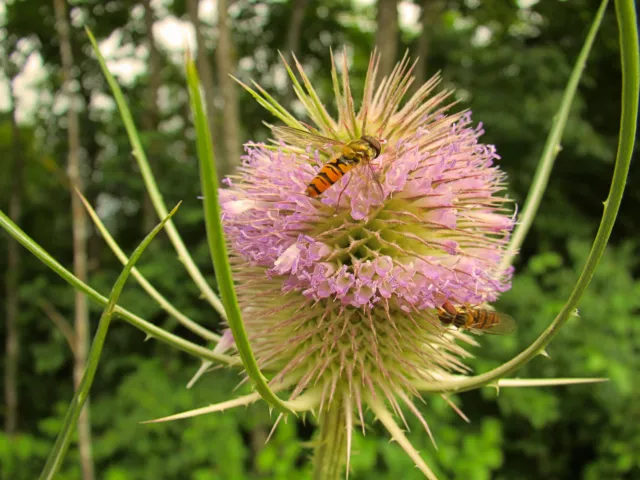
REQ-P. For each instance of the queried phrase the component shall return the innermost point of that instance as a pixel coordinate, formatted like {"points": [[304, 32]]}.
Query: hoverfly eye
{"points": [[374, 143], [450, 308]]}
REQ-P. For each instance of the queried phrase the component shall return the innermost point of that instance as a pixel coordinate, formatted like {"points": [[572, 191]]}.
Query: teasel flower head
{"points": [[339, 293]]}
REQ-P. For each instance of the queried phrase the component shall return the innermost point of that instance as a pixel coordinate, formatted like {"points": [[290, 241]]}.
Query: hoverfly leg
{"points": [[335, 212], [376, 181]]}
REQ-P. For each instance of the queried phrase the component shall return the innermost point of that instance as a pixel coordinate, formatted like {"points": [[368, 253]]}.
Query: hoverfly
{"points": [[349, 155], [476, 318]]}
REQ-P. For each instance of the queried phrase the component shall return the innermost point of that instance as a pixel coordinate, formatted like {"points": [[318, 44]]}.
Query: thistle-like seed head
{"points": [[339, 293]]}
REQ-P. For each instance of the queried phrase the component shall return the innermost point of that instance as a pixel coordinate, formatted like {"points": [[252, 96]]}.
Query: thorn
{"points": [[273, 429], [148, 337], [544, 353], [456, 409], [495, 385], [576, 313]]}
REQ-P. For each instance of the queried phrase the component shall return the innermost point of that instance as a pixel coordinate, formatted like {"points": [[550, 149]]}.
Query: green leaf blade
{"points": [[552, 145], [151, 185], [625, 10], [41, 254], [217, 243], [56, 456]]}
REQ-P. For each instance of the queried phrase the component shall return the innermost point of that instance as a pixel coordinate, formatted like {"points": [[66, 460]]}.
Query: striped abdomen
{"points": [[366, 148], [329, 174], [479, 318], [476, 319]]}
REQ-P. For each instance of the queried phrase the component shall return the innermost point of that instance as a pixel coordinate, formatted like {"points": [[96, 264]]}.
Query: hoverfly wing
{"points": [[504, 325], [376, 180], [301, 138]]}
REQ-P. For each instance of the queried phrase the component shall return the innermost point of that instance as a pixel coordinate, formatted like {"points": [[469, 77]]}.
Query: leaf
{"points": [[217, 244], [82, 393], [150, 183]]}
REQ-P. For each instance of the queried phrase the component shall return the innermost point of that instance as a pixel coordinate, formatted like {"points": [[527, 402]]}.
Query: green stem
{"points": [[217, 243], [80, 397], [151, 185], [144, 283], [625, 10], [151, 330], [551, 147], [331, 450]]}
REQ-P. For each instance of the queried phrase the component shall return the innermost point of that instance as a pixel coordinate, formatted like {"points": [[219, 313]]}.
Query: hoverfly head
{"points": [[374, 143]]}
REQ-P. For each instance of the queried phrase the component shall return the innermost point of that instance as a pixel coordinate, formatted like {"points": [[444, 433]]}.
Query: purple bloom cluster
{"points": [[433, 228]]}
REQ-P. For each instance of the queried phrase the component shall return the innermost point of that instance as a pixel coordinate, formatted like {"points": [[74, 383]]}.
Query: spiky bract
{"points": [[339, 293]]}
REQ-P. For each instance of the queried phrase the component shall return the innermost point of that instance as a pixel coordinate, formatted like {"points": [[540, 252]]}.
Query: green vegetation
{"points": [[509, 64]]}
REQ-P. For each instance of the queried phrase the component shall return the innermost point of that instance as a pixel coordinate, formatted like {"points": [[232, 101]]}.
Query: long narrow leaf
{"points": [[545, 382], [385, 417], [625, 10], [152, 187], [80, 397], [151, 330], [217, 245], [551, 147], [144, 283]]}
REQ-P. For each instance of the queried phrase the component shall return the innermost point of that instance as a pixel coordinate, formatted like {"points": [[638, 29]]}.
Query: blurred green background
{"points": [[509, 62]]}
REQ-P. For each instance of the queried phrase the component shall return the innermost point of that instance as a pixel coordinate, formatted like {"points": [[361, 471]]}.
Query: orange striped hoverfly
{"points": [[476, 318], [346, 156]]}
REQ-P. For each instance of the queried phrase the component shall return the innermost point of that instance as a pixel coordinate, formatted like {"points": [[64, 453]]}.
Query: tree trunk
{"points": [[430, 13], [206, 75], [231, 117], [151, 114], [387, 34], [12, 277], [293, 37], [79, 225]]}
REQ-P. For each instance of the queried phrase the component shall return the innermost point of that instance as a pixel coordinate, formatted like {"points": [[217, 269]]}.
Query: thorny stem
{"points": [[330, 450], [152, 187], [552, 147], [629, 116]]}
